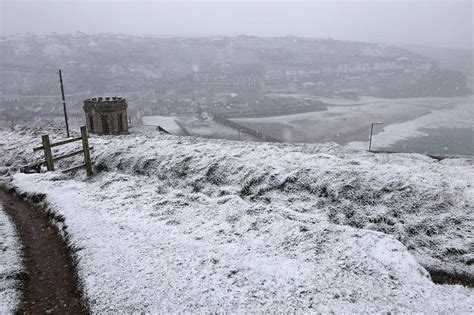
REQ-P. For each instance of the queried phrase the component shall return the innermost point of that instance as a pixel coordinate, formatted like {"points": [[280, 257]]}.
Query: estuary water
{"points": [[439, 141]]}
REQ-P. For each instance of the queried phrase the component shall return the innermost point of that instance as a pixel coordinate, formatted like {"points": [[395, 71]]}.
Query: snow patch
{"points": [[10, 265], [166, 122]]}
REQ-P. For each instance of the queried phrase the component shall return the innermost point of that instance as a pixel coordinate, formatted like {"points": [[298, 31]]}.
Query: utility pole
{"points": [[371, 129], [64, 103]]}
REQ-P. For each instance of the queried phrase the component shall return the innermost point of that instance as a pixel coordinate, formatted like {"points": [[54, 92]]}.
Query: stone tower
{"points": [[106, 116]]}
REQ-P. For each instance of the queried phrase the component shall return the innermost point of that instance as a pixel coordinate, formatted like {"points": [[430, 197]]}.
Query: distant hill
{"points": [[454, 59], [154, 65]]}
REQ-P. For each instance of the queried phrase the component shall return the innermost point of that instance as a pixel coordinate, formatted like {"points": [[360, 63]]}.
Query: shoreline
{"points": [[349, 124]]}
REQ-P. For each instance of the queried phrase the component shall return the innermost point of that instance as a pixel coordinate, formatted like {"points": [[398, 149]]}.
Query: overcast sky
{"points": [[433, 23]]}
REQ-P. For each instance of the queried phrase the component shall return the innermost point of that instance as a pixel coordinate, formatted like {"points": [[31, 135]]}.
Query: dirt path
{"points": [[50, 287]]}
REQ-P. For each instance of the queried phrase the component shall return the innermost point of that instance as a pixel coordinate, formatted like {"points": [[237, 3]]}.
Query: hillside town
{"points": [[236, 76]]}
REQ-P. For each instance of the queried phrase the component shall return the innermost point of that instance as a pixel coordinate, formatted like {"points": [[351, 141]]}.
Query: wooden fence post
{"points": [[48, 156], [87, 154]]}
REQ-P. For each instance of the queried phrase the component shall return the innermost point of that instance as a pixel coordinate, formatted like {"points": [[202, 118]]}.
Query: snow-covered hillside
{"points": [[185, 224]]}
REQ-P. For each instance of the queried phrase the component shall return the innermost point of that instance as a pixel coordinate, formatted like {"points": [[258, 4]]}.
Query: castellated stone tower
{"points": [[106, 116]]}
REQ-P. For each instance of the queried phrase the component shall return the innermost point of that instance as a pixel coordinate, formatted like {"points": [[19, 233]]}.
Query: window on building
{"points": [[120, 121], [91, 123], [105, 124]]}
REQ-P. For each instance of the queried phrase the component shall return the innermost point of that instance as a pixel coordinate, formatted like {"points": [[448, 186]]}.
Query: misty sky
{"points": [[445, 24]]}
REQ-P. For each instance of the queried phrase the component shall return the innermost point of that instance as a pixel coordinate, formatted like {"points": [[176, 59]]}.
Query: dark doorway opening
{"points": [[105, 124]]}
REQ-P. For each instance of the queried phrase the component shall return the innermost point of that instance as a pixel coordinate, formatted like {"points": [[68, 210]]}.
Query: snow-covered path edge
{"points": [[10, 265]]}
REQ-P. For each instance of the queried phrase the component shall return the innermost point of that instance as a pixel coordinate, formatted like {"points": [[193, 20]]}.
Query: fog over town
{"points": [[240, 59], [236, 145]]}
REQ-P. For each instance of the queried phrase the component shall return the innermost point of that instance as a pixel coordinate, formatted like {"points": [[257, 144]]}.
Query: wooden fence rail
{"points": [[48, 155]]}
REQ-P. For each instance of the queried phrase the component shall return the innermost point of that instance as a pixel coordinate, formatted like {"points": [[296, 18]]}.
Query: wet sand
{"points": [[344, 123]]}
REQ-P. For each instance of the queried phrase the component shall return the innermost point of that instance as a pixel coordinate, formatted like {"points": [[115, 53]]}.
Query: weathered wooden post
{"points": [[64, 103], [87, 154], [48, 156]]}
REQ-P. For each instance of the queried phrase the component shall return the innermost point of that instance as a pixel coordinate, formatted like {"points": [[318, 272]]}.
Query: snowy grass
{"points": [[10, 266], [145, 247], [184, 224]]}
